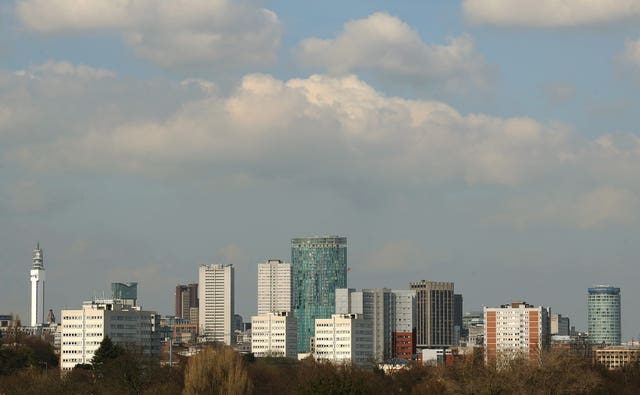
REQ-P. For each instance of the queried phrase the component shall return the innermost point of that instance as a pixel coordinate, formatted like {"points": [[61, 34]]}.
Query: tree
{"points": [[107, 351], [216, 370]]}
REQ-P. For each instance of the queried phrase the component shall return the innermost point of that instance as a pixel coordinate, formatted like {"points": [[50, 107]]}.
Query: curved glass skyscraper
{"points": [[604, 315], [319, 266]]}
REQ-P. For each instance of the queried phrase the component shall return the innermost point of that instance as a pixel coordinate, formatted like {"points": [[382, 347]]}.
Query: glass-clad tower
{"points": [[604, 315], [319, 266]]}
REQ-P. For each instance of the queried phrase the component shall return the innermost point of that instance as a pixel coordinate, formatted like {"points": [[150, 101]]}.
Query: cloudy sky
{"points": [[492, 143]]}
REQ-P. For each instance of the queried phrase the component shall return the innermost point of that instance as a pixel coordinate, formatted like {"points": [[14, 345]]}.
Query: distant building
{"points": [[186, 298], [604, 315], [126, 292], [216, 296], [37, 277], [434, 313], [274, 334], [616, 357], [560, 325], [514, 330], [392, 315], [275, 286], [403, 324], [83, 330], [457, 318], [319, 267], [344, 339]]}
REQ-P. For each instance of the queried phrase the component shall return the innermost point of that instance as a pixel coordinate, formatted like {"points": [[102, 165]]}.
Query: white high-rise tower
{"points": [[37, 287], [216, 294], [274, 287]]}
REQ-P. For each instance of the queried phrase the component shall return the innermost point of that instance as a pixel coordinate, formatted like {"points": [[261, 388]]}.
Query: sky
{"points": [[491, 143]]}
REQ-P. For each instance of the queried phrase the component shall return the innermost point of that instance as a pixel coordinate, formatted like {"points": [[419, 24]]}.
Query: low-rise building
{"points": [[616, 357]]}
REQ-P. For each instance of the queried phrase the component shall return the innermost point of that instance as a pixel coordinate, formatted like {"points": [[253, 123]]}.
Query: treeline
{"points": [[220, 370]]}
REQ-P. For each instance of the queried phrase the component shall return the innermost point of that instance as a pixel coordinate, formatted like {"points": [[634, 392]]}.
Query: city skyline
{"points": [[446, 140]]}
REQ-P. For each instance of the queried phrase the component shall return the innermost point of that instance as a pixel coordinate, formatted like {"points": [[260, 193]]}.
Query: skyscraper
{"points": [[604, 315], [186, 299], [434, 313], [319, 266], [274, 287], [216, 294], [37, 287]]}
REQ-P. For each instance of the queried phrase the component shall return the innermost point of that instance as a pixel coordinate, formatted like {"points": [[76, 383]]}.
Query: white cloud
{"points": [[631, 55], [391, 48], [549, 13], [67, 69], [190, 34], [335, 131]]}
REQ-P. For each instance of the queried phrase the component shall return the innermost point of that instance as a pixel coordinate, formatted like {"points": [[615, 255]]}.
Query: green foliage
{"points": [[106, 352]]}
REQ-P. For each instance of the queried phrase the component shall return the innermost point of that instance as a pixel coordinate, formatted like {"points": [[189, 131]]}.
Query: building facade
{"points": [[37, 277], [515, 330], [319, 267], [616, 357], [434, 313], [275, 286], [373, 305], [403, 324], [186, 297], [344, 339], [216, 297], [560, 325], [604, 315], [274, 334], [82, 331]]}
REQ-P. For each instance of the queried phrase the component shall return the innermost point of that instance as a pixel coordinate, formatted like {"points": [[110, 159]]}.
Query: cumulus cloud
{"points": [[191, 34], [630, 57], [322, 130], [549, 13], [391, 48]]}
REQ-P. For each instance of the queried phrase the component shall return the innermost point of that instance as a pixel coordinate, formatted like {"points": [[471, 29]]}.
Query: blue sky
{"points": [[477, 142]]}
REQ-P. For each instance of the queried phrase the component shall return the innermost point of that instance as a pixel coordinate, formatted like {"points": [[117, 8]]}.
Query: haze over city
{"points": [[448, 141]]}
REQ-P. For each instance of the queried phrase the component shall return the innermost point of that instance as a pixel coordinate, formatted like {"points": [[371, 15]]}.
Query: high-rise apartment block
{"points": [[344, 338], [37, 287], [516, 330], [186, 299], [83, 330], [434, 313], [275, 285], [319, 267], [216, 296], [274, 334], [604, 315]]}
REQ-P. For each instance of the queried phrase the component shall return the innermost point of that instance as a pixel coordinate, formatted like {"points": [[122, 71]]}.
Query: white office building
{"points": [[37, 277], [274, 334], [216, 311], [274, 287], [344, 339], [82, 331]]}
